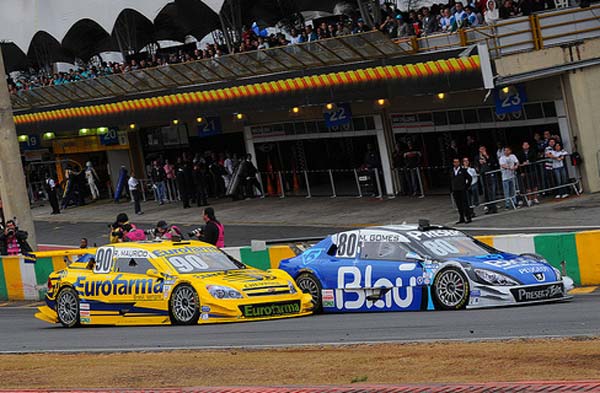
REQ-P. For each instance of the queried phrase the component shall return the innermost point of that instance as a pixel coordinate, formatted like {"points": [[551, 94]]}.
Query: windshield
{"points": [[208, 260], [451, 247]]}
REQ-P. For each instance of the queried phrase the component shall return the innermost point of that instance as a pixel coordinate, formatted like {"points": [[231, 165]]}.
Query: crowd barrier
{"points": [[24, 278]]}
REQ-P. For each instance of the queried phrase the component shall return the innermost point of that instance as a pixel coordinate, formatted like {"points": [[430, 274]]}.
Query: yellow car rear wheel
{"points": [[184, 305], [67, 307]]}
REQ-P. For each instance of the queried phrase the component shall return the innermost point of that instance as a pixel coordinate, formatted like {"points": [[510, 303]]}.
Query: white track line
{"points": [[517, 229]]}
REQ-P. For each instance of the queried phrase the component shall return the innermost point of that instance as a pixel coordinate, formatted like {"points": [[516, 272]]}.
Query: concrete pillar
{"points": [[384, 143], [13, 190], [581, 92]]}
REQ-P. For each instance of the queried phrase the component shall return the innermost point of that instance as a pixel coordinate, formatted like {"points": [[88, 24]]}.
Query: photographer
{"points": [[213, 232], [119, 228], [13, 241], [164, 231]]}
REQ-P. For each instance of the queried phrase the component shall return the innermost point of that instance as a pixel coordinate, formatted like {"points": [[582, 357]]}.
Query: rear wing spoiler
{"points": [[297, 245]]}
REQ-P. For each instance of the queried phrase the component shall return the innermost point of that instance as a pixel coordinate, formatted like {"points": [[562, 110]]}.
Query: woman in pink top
{"points": [[170, 172]]}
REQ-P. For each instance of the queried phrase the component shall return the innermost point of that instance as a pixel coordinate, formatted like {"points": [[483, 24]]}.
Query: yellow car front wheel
{"points": [[184, 306]]}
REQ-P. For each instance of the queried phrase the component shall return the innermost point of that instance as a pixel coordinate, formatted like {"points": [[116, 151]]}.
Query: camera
{"points": [[196, 232], [10, 233]]}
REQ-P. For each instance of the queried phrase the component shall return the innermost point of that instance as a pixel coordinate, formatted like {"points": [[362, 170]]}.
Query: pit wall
{"points": [[25, 279]]}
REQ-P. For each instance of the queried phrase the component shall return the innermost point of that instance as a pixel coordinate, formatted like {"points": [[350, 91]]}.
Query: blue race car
{"points": [[420, 267]]}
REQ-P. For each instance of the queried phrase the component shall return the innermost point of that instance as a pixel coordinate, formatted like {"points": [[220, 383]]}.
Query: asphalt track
{"points": [[21, 332]]}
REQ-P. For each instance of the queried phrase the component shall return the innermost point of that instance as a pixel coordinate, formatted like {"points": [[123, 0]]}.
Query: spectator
{"points": [[13, 241], [460, 16], [83, 243], [251, 180], [508, 10], [508, 167], [428, 23], [558, 156], [51, 191], [472, 17], [527, 157], [487, 171], [170, 180], [460, 182], [412, 158], [262, 44], [404, 29], [389, 26], [548, 167], [447, 24]]}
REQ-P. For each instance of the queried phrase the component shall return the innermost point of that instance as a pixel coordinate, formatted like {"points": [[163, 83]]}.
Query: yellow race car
{"points": [[163, 282]]}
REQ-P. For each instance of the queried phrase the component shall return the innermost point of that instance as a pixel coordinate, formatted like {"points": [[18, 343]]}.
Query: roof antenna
{"points": [[424, 224]]}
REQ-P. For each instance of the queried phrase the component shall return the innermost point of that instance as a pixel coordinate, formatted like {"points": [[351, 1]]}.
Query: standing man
{"points": [[182, 183], [52, 197], [251, 180], [508, 166], [91, 176], [159, 176], [473, 191], [134, 187], [528, 175], [460, 182]]}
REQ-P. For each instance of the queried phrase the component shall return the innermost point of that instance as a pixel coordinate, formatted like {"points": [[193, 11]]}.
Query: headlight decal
{"points": [[494, 278], [223, 292]]}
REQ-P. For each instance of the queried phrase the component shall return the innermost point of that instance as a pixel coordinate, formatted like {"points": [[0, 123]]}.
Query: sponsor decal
{"points": [[270, 310], [85, 320], [204, 317], [205, 309], [475, 293], [311, 255], [327, 298], [418, 235], [534, 269], [531, 294], [131, 253], [84, 313], [84, 306], [539, 276], [166, 290], [350, 280], [519, 262], [185, 250], [118, 286]]}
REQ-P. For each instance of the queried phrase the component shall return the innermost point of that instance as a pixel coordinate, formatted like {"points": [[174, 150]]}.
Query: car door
{"points": [[390, 281]]}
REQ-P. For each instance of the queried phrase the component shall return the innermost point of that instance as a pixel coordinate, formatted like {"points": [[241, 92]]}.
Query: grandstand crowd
{"points": [[438, 18]]}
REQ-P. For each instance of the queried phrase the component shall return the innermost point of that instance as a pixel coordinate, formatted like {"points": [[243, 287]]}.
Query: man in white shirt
{"points": [[508, 166], [134, 188], [473, 192]]}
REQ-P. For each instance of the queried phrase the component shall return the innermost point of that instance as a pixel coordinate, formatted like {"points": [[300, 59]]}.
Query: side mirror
{"points": [[413, 256], [154, 273]]}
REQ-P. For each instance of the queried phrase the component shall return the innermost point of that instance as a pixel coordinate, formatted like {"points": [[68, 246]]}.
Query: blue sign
{"points": [[33, 142], [340, 115], [110, 138], [510, 100], [210, 126]]}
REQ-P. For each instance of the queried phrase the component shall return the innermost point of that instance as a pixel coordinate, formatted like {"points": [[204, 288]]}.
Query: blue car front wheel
{"points": [[310, 284], [450, 289]]}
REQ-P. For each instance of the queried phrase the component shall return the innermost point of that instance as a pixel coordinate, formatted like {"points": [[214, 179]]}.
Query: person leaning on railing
{"points": [[559, 169], [527, 173]]}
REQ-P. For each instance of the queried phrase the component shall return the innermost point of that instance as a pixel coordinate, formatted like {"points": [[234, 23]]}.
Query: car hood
{"points": [[526, 270], [248, 280]]}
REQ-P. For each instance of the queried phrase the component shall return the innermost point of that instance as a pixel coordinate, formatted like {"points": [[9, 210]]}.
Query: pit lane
{"points": [[21, 332]]}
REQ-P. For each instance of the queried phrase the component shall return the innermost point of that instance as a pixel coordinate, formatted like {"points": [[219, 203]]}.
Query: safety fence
{"points": [[25, 278], [526, 33]]}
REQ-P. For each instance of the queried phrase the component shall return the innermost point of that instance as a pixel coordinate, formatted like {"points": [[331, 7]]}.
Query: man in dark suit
{"points": [[460, 183]]}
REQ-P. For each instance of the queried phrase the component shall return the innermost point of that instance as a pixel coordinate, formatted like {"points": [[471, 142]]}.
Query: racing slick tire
{"points": [[184, 305], [308, 283], [67, 307], [450, 289]]}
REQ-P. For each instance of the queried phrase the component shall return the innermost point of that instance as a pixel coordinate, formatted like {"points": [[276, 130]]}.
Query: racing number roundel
{"points": [[104, 259], [347, 244]]}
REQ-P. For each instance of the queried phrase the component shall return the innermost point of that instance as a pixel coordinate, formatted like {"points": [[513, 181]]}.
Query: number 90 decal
{"points": [[104, 259]]}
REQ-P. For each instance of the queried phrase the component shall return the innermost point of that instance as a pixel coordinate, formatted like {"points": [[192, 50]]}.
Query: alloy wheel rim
{"points": [[309, 286], [67, 308], [184, 304], [451, 288]]}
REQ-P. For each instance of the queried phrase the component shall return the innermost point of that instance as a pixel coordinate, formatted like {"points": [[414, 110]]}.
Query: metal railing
{"points": [[526, 33]]}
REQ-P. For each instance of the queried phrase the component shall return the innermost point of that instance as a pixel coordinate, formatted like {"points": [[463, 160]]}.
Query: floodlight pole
{"points": [[13, 190]]}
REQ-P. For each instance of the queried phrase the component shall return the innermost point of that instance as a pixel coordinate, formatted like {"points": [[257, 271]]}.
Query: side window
{"points": [[133, 265], [384, 251]]}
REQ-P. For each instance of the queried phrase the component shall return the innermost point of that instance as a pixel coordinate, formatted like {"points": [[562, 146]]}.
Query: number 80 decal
{"points": [[347, 244]]}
